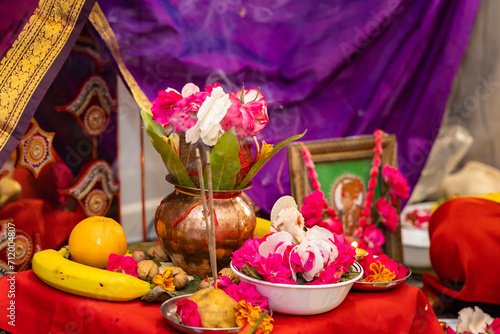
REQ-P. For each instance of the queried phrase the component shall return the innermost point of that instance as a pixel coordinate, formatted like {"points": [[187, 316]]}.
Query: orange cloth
{"points": [[465, 239], [41, 309]]}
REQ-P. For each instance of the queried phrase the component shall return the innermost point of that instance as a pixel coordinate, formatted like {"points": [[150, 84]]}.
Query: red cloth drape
{"points": [[465, 239], [43, 309]]}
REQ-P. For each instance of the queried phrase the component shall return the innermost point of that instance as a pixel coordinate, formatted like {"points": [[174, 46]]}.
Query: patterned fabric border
{"points": [[31, 57]]}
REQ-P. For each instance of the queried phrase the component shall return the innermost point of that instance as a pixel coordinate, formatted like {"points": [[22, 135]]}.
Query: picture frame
{"points": [[343, 166]]}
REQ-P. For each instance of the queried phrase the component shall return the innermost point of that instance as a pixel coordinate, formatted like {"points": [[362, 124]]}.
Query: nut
{"points": [[146, 270], [159, 253], [230, 274], [180, 278]]}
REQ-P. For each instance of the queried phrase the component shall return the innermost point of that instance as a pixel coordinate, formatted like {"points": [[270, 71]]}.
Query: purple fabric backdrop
{"points": [[338, 68]]}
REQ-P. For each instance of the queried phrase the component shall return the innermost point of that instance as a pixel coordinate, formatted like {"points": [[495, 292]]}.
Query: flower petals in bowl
{"points": [[404, 273], [297, 299]]}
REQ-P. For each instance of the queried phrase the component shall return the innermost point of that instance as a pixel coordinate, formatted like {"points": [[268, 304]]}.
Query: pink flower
{"points": [[274, 268], [373, 239], [248, 293], [418, 217], [331, 274], [183, 115], [388, 213], [120, 263], [390, 264], [346, 252], [247, 113], [312, 209], [222, 282], [188, 311], [396, 181], [162, 106], [333, 225], [494, 327], [247, 254]]}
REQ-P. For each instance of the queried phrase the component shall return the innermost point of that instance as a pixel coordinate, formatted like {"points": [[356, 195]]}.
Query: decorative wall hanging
{"points": [[16, 247], [92, 117], [35, 149], [95, 188]]}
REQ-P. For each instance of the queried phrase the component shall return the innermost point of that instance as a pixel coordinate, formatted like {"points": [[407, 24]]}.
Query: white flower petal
{"points": [[189, 89], [193, 134], [305, 250], [272, 241], [473, 321]]}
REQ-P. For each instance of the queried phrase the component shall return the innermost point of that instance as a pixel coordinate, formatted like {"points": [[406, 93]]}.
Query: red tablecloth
{"points": [[40, 308]]}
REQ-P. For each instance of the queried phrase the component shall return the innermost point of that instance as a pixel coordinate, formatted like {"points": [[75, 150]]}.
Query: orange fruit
{"points": [[94, 238]]}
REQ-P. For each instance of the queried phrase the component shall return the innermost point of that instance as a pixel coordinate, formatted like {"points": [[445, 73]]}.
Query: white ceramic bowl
{"points": [[302, 299]]}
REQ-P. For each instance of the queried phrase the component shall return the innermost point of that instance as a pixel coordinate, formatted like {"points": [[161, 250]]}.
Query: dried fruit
{"points": [[180, 278], [230, 274], [146, 270], [159, 253]]}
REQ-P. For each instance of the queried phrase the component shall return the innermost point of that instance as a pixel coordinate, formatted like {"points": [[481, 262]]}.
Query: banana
{"points": [[57, 271]]}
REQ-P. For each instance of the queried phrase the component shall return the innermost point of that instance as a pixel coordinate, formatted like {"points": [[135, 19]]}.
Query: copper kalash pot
{"points": [[181, 228]]}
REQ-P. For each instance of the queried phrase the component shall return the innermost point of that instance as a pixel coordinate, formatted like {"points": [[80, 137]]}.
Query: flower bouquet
{"points": [[224, 124], [297, 262], [222, 127]]}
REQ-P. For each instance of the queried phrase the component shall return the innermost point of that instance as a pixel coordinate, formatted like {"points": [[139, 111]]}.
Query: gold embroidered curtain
{"points": [[33, 52]]}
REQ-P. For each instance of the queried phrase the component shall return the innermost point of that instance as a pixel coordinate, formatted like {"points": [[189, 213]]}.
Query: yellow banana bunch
{"points": [[57, 271]]}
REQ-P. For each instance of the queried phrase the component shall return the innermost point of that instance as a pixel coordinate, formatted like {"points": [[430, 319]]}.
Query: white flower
{"points": [[472, 321], [324, 240], [304, 251], [210, 114], [276, 243], [189, 89]]}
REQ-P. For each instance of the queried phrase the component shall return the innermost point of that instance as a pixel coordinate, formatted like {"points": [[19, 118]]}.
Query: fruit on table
{"points": [[94, 238], [54, 269], [215, 307]]}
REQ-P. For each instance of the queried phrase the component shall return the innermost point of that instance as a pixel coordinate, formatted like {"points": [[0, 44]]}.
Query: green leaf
{"points": [[150, 124], [171, 160], [259, 164], [225, 162]]}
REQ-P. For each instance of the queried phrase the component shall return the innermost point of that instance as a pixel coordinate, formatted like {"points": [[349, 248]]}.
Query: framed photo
{"points": [[343, 167]]}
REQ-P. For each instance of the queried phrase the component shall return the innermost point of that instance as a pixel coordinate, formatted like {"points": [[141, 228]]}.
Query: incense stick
{"points": [[205, 212], [213, 258]]}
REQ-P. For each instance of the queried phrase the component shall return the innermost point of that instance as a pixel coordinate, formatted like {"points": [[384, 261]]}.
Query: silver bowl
{"points": [[381, 286], [168, 310]]}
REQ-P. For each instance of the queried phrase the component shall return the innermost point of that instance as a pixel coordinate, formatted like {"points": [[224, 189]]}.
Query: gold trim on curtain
{"points": [[101, 24], [31, 56]]}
